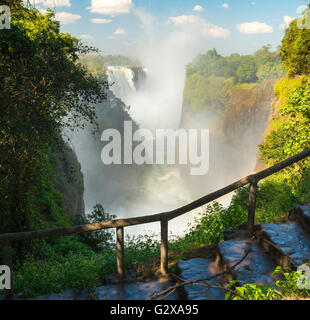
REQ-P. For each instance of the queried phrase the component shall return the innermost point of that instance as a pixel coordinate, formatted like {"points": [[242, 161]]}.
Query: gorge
{"points": [[137, 94]]}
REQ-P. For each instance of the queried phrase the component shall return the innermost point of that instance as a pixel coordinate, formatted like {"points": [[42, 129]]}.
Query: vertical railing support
{"points": [[252, 207], [164, 247], [120, 252], [7, 260]]}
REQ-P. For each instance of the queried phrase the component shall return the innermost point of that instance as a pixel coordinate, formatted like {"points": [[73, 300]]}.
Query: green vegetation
{"points": [[295, 50], [97, 240], [207, 91], [289, 132], [42, 84], [260, 66], [285, 289], [212, 78]]}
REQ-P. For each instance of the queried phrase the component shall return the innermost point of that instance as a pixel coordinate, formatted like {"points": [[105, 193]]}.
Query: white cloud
{"points": [[54, 3], [66, 17], [253, 3], [206, 29], [225, 5], [286, 22], [215, 31], [119, 31], [254, 28], [100, 21], [86, 36], [198, 8], [111, 7], [184, 19]]}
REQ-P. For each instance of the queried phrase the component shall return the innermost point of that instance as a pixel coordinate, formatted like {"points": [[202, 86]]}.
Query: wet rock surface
{"points": [[306, 211], [73, 294], [301, 215], [291, 239], [121, 291], [133, 291], [199, 268], [257, 267]]}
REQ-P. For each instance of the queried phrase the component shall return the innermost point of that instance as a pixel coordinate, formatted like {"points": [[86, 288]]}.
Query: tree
{"points": [[97, 240], [208, 64], [246, 71], [291, 130], [43, 88], [295, 50], [270, 70]]}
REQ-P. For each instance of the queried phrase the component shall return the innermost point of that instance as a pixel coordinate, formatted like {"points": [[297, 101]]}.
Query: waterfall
{"points": [[125, 81], [128, 190], [154, 96]]}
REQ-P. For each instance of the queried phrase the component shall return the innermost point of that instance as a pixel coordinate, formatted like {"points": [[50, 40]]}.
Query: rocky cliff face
{"points": [[69, 179], [247, 108], [235, 132], [247, 116]]}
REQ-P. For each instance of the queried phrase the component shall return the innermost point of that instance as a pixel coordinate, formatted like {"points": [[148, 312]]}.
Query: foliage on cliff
{"points": [[288, 132], [262, 65], [211, 79], [42, 89], [295, 50]]}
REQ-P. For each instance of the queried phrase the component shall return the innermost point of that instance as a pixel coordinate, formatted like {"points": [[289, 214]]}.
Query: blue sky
{"points": [[122, 26]]}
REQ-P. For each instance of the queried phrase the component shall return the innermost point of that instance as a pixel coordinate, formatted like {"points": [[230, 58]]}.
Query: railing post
{"points": [[164, 247], [120, 252], [7, 260], [252, 207]]}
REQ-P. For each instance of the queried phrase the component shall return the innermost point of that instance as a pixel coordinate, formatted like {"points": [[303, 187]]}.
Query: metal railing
{"points": [[6, 239]]}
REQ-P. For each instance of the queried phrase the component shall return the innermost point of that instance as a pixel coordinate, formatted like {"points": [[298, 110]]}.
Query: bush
{"points": [[275, 197], [56, 274], [295, 50], [281, 289], [97, 240]]}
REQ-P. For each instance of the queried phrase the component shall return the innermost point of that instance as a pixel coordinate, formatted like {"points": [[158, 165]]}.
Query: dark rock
{"points": [[68, 179], [288, 243], [198, 268], [133, 291], [238, 233], [73, 294], [114, 279], [257, 267], [16, 296], [301, 214]]}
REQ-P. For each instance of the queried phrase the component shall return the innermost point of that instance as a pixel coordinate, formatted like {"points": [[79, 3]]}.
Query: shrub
{"points": [[101, 239], [289, 285]]}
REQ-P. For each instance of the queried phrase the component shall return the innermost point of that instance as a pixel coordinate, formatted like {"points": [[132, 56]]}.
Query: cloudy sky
{"points": [[122, 26]]}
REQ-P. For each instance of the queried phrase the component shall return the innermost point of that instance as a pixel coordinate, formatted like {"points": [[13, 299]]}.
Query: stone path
{"points": [[285, 244], [198, 268]]}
